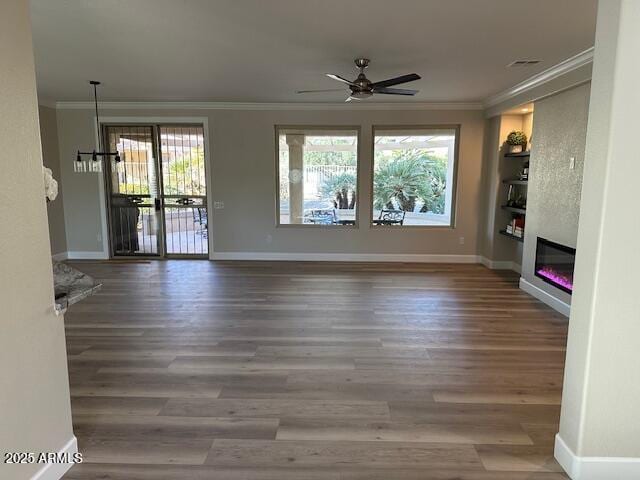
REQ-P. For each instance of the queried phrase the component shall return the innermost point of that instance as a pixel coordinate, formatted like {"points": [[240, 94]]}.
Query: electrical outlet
{"points": [[461, 240], [218, 205], [269, 238]]}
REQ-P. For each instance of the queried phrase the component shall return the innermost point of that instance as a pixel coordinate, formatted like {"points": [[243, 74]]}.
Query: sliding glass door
{"points": [[134, 213], [157, 193], [184, 190]]}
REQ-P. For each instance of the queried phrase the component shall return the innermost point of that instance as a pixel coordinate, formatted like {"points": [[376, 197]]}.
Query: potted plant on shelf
{"points": [[517, 141]]}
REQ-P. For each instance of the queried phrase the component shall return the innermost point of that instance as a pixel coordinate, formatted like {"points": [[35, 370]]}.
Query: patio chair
{"points": [[391, 217], [200, 217], [321, 216], [126, 217]]}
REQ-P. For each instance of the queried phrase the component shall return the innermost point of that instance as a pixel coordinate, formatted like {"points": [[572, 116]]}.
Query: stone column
{"points": [[296, 181], [599, 434]]}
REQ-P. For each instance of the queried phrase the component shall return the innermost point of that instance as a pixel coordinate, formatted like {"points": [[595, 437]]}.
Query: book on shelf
{"points": [[516, 227]]}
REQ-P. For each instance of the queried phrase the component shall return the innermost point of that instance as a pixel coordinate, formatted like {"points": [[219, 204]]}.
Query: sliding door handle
{"points": [[156, 202]]}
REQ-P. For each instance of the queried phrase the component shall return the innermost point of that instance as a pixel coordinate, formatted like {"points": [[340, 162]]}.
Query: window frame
{"points": [[320, 128], [454, 186]]}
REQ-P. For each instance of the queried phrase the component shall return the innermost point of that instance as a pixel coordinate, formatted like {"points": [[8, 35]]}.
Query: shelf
{"points": [[518, 155], [514, 209], [515, 181], [519, 239]]}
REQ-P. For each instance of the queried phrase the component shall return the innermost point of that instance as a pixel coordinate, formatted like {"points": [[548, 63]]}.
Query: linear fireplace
{"points": [[554, 264]]}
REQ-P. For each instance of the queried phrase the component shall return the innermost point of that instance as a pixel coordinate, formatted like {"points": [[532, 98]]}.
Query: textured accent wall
{"points": [[553, 204]]}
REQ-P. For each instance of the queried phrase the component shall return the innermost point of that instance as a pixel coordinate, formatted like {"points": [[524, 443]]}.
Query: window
{"points": [[413, 176], [317, 176]]}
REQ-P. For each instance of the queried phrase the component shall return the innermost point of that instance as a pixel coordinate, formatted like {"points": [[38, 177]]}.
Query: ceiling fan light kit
{"points": [[362, 87]]}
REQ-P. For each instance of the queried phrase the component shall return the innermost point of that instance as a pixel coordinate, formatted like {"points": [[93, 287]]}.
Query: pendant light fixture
{"points": [[94, 165]]}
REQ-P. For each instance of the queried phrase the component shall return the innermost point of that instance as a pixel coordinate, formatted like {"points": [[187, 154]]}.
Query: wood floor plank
{"points": [[117, 405], [183, 451], [415, 351], [453, 474], [117, 351], [382, 376], [353, 454], [95, 471], [330, 391], [141, 427], [91, 388], [395, 431], [212, 364], [506, 396], [142, 375], [533, 418], [326, 409], [313, 371], [511, 458]]}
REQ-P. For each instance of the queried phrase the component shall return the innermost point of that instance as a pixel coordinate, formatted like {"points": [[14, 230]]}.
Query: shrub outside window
{"points": [[414, 176], [317, 176]]}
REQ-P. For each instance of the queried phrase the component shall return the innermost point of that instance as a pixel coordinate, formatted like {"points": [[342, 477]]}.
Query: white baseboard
{"points": [[553, 302], [345, 257], [86, 256], [500, 265], [59, 257], [595, 468], [55, 471]]}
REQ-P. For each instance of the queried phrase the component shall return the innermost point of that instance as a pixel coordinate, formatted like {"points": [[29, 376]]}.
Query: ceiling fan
{"points": [[362, 87]]}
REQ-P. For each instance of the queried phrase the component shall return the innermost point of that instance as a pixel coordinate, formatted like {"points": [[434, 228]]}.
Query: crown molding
{"points": [[562, 68], [269, 106]]}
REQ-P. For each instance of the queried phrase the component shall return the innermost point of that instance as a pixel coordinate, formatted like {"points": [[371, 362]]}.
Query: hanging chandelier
{"points": [[94, 163]]}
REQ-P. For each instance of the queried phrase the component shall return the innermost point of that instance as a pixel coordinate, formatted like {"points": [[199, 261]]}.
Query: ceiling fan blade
{"points": [[320, 91], [395, 91], [397, 80], [340, 79]]}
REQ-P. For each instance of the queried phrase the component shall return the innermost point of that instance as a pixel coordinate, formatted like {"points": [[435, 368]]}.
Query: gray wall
{"points": [[242, 146], [51, 159], [35, 414], [553, 207]]}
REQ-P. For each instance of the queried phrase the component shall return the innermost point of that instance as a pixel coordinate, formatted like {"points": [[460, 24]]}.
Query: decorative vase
{"points": [[515, 148]]}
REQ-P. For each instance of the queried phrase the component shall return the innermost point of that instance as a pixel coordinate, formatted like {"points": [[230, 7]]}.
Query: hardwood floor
{"points": [[282, 371]]}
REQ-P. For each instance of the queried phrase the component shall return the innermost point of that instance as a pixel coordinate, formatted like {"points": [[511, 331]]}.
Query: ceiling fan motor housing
{"points": [[361, 85]]}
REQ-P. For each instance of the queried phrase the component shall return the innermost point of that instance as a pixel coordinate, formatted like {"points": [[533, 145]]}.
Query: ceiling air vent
{"points": [[523, 63]]}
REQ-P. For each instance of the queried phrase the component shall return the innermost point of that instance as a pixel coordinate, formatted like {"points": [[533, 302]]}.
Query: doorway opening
{"points": [[157, 193]]}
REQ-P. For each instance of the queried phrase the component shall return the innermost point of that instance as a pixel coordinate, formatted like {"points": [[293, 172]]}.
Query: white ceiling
{"points": [[263, 51]]}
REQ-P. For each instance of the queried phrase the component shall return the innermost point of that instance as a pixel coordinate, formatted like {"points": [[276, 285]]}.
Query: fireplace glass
{"points": [[554, 264]]}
